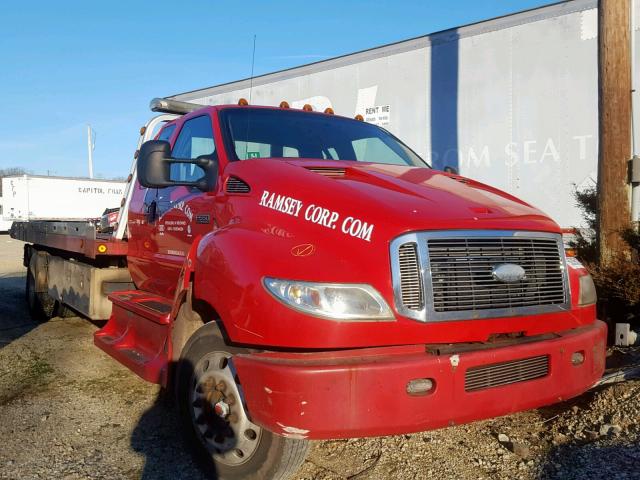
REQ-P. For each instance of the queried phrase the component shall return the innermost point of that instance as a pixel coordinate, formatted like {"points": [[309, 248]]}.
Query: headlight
{"points": [[336, 301]]}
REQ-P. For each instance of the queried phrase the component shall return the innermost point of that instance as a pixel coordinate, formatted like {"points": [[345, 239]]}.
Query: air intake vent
{"points": [[499, 374], [410, 280], [460, 179], [235, 185], [333, 172]]}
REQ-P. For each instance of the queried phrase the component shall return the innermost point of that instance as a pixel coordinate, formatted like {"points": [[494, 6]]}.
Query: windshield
{"points": [[265, 133]]}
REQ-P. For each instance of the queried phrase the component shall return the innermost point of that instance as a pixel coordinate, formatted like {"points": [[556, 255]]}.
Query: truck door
{"points": [[182, 213], [141, 220]]}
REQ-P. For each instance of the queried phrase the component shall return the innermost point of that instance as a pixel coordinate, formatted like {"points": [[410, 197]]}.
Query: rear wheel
{"points": [[62, 311], [41, 305], [215, 421]]}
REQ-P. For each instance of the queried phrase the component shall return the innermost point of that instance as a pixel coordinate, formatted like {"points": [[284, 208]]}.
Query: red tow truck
{"points": [[295, 275]]}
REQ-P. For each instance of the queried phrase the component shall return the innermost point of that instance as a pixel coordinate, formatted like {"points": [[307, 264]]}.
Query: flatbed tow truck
{"points": [[295, 275]]}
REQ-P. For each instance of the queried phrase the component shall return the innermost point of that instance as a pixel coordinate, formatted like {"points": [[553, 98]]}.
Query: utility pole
{"points": [[614, 71], [90, 146]]}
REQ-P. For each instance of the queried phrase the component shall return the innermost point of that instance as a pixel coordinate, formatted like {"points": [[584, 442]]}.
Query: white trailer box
{"points": [[33, 197], [512, 101], [5, 225]]}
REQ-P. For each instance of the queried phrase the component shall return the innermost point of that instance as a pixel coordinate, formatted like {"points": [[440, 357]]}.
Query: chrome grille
{"points": [[449, 275], [410, 281], [462, 273], [236, 185], [498, 374]]}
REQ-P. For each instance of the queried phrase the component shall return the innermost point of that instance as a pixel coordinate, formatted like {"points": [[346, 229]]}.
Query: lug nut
{"points": [[214, 396]]}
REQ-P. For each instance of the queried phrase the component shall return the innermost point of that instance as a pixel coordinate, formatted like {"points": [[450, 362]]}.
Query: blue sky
{"points": [[68, 63]]}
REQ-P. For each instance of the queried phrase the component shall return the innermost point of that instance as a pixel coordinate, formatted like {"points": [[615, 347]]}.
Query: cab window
{"points": [[195, 139], [166, 132], [276, 133]]}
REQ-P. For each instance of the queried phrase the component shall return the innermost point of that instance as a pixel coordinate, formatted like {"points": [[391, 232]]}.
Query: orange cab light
{"points": [[359, 117], [143, 130], [307, 108], [102, 248], [284, 104], [328, 111], [243, 102]]}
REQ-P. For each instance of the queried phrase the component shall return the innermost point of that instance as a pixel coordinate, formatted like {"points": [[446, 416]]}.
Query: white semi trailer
{"points": [[512, 102], [5, 225], [34, 197]]}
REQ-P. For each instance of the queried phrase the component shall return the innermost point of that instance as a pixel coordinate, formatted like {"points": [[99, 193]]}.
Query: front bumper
{"points": [[359, 393]]}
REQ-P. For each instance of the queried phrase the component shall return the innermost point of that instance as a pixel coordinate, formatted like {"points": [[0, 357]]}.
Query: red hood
{"points": [[395, 199]]}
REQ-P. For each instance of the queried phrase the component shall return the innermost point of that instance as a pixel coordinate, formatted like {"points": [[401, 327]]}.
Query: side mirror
{"points": [[154, 167], [451, 170]]}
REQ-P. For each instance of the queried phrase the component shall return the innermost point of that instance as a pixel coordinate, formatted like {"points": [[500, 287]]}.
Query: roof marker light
{"points": [[359, 117], [243, 102], [284, 104], [307, 108], [328, 111]]}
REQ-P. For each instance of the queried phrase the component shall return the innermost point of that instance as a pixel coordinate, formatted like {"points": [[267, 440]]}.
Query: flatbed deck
{"points": [[71, 236]]}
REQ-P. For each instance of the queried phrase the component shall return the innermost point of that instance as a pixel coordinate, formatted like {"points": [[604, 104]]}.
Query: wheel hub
{"points": [[218, 414]]}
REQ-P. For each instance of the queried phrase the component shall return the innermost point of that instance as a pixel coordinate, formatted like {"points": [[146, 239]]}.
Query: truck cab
{"points": [[300, 275]]}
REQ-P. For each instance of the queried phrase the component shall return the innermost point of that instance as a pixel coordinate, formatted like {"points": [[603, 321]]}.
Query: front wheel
{"points": [[214, 419]]}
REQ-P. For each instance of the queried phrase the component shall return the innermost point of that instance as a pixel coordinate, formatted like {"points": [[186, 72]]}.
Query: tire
{"points": [[231, 447], [41, 306], [62, 311]]}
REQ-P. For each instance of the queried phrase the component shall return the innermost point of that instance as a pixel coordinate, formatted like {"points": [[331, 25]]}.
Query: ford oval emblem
{"points": [[508, 273]]}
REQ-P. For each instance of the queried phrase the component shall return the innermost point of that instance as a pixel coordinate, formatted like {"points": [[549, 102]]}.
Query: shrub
{"points": [[618, 282]]}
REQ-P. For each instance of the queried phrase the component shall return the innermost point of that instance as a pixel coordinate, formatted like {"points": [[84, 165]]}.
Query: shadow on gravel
{"points": [[14, 318], [583, 461], [158, 438]]}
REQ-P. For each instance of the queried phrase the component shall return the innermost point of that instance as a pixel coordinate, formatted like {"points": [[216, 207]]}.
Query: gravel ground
{"points": [[67, 411]]}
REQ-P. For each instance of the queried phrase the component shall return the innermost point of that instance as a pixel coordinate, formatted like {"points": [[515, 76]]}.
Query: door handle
{"points": [[152, 209]]}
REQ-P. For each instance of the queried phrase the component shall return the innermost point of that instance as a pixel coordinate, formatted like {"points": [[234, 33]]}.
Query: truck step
{"points": [[147, 305], [136, 333]]}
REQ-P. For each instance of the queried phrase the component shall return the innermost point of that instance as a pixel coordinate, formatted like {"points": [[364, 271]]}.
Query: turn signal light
{"points": [[577, 358], [243, 102], [588, 295], [420, 386]]}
